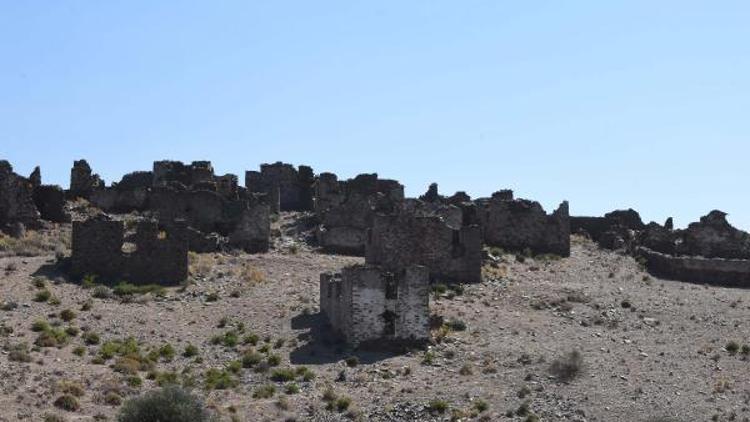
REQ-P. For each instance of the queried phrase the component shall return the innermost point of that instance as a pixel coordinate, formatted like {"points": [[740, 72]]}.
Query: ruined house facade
{"points": [[83, 182], [346, 209], [289, 189], [520, 224], [450, 253], [369, 305], [160, 255]]}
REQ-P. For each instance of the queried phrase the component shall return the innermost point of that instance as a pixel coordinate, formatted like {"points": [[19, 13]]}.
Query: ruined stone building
{"points": [[25, 202], [218, 211], [371, 306], [157, 255], [82, 181], [613, 222], [289, 189], [450, 253], [520, 224], [346, 209]]}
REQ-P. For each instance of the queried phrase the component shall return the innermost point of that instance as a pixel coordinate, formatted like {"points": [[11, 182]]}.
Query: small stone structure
{"points": [[698, 269], [617, 220], [451, 253], [16, 199], [372, 306], [520, 224], [82, 181], [290, 189], [160, 256], [346, 209]]}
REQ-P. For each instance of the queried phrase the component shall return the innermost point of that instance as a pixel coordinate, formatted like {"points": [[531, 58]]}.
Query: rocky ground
{"points": [[587, 338]]}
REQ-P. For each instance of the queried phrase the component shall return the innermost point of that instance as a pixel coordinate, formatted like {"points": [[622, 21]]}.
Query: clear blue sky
{"points": [[607, 104]]}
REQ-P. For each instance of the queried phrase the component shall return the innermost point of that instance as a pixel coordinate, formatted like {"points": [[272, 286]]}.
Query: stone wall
{"points": [[370, 306], [193, 176], [82, 181], [453, 254], [50, 201], [595, 227], [16, 199], [697, 269], [519, 224], [293, 187], [346, 209], [160, 256]]}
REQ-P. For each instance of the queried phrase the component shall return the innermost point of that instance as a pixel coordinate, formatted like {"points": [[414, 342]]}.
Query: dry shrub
{"points": [[200, 264], [252, 275], [35, 243], [567, 367]]}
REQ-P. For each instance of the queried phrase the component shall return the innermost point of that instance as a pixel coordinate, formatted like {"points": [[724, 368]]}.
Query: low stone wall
{"points": [[696, 269]]}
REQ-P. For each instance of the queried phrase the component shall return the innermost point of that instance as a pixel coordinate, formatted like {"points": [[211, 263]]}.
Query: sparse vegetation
{"points": [[567, 367], [171, 404]]}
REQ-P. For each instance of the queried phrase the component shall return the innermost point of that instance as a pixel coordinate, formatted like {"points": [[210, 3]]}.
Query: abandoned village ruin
{"points": [[407, 243]]}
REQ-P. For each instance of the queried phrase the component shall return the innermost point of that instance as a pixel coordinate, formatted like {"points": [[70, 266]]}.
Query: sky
{"points": [[606, 104]]}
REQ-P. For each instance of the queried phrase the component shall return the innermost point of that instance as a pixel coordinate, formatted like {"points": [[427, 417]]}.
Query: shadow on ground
{"points": [[320, 345]]}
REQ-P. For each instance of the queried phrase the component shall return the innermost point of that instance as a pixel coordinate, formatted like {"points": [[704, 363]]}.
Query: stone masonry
{"points": [[82, 181], [452, 254], [372, 306], [16, 199], [346, 209], [520, 224], [290, 189], [160, 256]]}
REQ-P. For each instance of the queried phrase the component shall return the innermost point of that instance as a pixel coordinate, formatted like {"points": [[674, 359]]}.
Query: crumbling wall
{"points": [[714, 237], [82, 181], [351, 207], [293, 187], [16, 198], [369, 305], [519, 224], [159, 256], [397, 241], [196, 175], [50, 201]]}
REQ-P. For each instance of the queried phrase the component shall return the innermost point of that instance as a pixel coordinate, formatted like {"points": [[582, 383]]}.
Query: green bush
{"points": [[42, 296], [170, 404], [127, 289]]}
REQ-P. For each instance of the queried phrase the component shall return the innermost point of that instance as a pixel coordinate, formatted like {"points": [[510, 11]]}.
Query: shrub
{"points": [[134, 381], [167, 352], [219, 380], [190, 351], [283, 375], [566, 368], [54, 418], [745, 350], [38, 282], [40, 325], [250, 339], [67, 315], [291, 388], [481, 406], [456, 325], [251, 358], [67, 402], [112, 399], [274, 360], [343, 403], [102, 292], [437, 406], [42, 295], [264, 392], [72, 331], [71, 388], [55, 337], [19, 353], [91, 338], [352, 361], [164, 379], [171, 404], [79, 351], [732, 347]]}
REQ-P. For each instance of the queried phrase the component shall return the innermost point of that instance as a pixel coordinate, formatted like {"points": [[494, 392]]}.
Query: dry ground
{"points": [[651, 350]]}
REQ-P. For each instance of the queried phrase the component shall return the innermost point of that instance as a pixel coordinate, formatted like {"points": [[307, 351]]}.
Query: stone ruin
{"points": [[522, 225], [26, 202], [346, 209], [612, 231], [218, 211], [451, 253], [289, 189], [708, 251], [368, 305], [82, 181], [157, 255]]}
